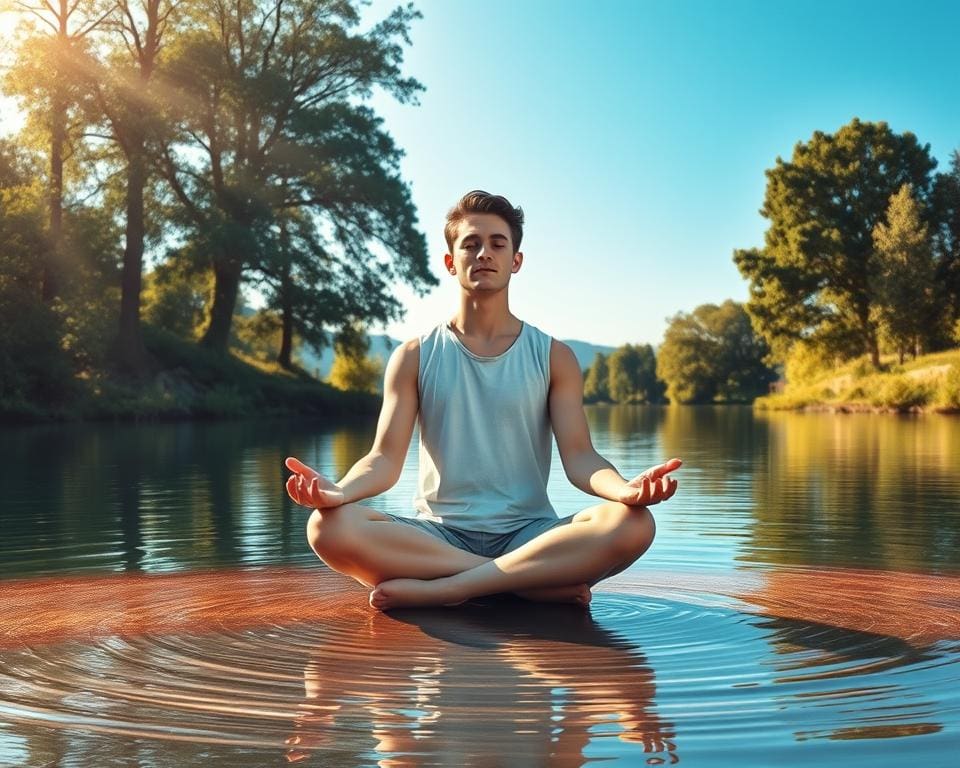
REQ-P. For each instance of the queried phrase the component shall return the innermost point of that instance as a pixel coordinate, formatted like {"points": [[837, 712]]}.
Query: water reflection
{"points": [[859, 490], [507, 683], [776, 489]]}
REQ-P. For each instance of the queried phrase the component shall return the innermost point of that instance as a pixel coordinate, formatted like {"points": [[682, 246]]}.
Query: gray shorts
{"points": [[485, 544]]}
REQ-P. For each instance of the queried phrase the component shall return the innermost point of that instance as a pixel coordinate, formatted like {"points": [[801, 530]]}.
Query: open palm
{"points": [[308, 487], [651, 487]]}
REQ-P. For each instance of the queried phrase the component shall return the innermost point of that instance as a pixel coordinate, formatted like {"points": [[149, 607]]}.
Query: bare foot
{"points": [[578, 594], [397, 593]]}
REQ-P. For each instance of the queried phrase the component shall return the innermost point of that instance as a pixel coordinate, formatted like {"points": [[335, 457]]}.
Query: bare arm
{"points": [[586, 468], [380, 468]]}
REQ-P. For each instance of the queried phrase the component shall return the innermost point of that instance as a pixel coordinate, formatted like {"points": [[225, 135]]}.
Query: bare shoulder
{"points": [[404, 362], [563, 363]]}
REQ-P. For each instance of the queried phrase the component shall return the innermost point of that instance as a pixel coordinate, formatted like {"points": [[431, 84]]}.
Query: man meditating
{"points": [[487, 390]]}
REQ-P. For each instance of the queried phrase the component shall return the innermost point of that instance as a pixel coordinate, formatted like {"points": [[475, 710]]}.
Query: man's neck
{"points": [[485, 317]]}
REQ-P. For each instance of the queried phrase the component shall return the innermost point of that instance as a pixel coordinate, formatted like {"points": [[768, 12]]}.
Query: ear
{"points": [[517, 262], [448, 262]]}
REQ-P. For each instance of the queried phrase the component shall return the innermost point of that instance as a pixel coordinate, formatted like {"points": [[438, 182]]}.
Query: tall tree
{"points": [[811, 279], [633, 374], [125, 99], [45, 79], [712, 354], [903, 281], [596, 384], [269, 96], [946, 242]]}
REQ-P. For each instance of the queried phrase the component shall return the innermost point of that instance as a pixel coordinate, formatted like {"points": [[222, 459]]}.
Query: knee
{"points": [[631, 530], [330, 533]]}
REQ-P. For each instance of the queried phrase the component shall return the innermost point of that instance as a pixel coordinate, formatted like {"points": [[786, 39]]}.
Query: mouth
{"points": [[478, 271]]}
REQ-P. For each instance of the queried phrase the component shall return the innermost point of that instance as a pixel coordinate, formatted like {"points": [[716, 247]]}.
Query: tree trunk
{"points": [[130, 352], [58, 136], [286, 318], [226, 288]]}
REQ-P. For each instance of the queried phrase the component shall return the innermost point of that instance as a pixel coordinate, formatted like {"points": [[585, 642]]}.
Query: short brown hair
{"points": [[479, 201]]}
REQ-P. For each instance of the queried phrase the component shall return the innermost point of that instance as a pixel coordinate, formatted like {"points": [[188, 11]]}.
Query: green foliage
{"points": [[633, 375], [806, 363], [353, 370], [903, 279], [596, 384], [33, 366], [280, 169], [948, 389], [258, 335], [811, 280], [713, 354], [902, 392], [945, 232], [175, 296]]}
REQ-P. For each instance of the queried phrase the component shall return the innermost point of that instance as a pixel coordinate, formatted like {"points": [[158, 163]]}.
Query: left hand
{"points": [[651, 487]]}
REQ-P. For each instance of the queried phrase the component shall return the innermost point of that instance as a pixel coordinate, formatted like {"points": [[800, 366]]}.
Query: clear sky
{"points": [[635, 135]]}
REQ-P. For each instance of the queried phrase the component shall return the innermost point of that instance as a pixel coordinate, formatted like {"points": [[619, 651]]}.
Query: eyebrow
{"points": [[475, 235]]}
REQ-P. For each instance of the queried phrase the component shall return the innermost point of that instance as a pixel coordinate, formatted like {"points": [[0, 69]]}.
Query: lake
{"points": [[159, 606]]}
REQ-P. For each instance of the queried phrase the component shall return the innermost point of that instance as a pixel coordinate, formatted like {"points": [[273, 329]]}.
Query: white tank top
{"points": [[485, 435]]}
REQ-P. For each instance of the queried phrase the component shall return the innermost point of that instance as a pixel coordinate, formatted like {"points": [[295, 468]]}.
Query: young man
{"points": [[487, 390]]}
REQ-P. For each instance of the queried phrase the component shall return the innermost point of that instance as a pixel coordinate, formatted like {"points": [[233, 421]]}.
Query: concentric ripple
{"points": [[275, 665]]}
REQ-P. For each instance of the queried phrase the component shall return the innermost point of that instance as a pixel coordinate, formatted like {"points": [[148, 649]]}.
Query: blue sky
{"points": [[636, 134]]}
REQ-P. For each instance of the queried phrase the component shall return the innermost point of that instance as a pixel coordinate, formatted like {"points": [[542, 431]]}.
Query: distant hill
{"points": [[584, 351], [381, 346]]}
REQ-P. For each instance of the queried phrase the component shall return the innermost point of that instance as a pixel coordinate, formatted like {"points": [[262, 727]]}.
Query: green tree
{"points": [[596, 385], [269, 98], [123, 100], [33, 366], [47, 80], [354, 370], [632, 374], [176, 295], [811, 279], [903, 280], [713, 354], [945, 235]]}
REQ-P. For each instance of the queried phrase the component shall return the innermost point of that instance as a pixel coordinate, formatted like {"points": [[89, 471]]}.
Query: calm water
{"points": [[159, 606]]}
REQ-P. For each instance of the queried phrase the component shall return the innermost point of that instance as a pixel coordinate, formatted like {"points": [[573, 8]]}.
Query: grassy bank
{"points": [[189, 382], [928, 383]]}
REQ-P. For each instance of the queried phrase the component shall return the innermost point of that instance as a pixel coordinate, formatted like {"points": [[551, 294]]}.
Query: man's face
{"points": [[483, 257]]}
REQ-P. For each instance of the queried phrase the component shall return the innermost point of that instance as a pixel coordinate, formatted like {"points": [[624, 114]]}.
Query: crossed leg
{"points": [[406, 566], [370, 547], [600, 541]]}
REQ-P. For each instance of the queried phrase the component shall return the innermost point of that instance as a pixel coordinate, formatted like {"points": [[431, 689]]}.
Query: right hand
{"points": [[308, 487]]}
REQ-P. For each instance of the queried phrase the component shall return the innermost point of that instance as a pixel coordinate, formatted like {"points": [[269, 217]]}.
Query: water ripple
{"points": [[291, 665]]}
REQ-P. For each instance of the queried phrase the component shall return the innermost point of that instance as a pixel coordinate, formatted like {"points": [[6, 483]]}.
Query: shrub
{"points": [[902, 393], [948, 389]]}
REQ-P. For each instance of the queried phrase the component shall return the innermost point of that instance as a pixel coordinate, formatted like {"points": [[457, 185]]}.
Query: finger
{"points": [[295, 465], [672, 489], [656, 495], [292, 488], [662, 469], [315, 492], [645, 491]]}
